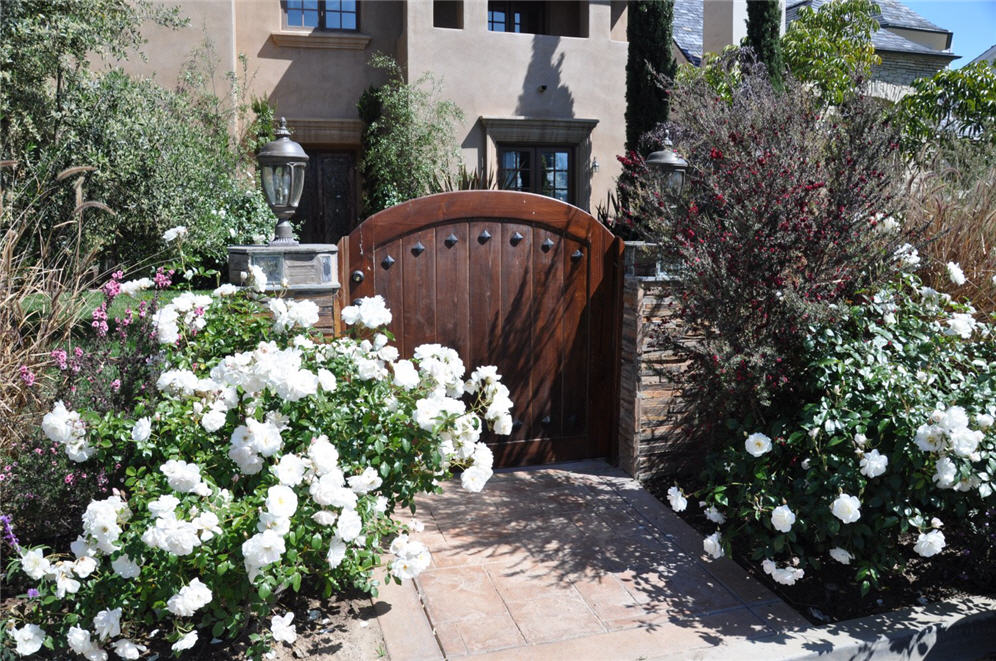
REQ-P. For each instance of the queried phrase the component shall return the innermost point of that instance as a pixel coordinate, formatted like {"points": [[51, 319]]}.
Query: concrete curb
{"points": [[945, 631]]}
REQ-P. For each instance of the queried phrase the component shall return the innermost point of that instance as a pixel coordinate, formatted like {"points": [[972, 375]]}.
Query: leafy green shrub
{"points": [[160, 164], [408, 139], [831, 47], [267, 458], [891, 452], [164, 158], [953, 104]]}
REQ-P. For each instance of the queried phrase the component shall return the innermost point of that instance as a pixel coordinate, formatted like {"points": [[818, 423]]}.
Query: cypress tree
{"points": [[648, 31], [764, 19]]}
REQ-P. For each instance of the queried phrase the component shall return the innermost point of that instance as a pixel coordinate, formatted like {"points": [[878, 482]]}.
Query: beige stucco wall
{"points": [[315, 79], [167, 51], [492, 74]]}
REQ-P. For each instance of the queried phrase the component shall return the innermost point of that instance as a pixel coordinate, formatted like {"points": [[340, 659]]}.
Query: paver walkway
{"points": [[574, 562]]}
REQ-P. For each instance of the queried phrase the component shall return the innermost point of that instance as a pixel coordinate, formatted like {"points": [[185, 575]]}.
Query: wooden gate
{"points": [[517, 280]]}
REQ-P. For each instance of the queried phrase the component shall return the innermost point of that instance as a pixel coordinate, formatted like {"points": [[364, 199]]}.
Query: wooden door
{"points": [[517, 280], [328, 204]]}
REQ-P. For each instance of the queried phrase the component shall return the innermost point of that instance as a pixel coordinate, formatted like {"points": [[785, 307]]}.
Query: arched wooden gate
{"points": [[517, 280]]}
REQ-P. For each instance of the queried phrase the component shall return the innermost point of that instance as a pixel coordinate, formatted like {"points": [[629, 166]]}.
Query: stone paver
{"points": [[577, 562]]}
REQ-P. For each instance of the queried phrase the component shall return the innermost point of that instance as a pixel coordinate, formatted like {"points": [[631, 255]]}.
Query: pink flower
{"points": [[60, 357], [27, 376], [116, 385]]}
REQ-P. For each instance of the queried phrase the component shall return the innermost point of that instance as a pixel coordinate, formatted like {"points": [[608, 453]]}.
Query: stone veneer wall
{"points": [[904, 68], [649, 443]]}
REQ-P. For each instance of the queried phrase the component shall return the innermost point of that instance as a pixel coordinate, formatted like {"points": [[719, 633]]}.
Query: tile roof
{"points": [[988, 55], [688, 27]]}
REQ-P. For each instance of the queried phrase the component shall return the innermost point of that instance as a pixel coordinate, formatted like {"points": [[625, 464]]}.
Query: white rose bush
{"points": [[265, 457], [894, 438]]}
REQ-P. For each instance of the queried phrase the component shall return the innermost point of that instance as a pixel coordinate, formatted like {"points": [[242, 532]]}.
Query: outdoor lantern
{"points": [[669, 165], [283, 163]]}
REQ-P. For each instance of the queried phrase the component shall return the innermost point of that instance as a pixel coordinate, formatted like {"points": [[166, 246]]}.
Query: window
{"points": [[543, 170], [321, 14], [505, 16]]}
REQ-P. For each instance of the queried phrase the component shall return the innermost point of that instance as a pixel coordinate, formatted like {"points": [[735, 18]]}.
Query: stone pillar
{"points": [[649, 397], [302, 271]]}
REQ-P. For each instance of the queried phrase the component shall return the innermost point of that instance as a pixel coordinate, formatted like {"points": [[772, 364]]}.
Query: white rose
{"points": [[350, 525], [713, 546], [34, 563], [282, 629], [336, 554], [955, 273], [107, 623], [124, 567], [873, 464], [782, 518], [474, 478], [141, 430], [677, 499], [188, 641], [758, 444], [930, 543], [126, 649], [281, 500], [841, 555], [846, 508], [29, 639]]}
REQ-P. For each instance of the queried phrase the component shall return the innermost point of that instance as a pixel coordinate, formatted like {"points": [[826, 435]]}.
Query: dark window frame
{"points": [[537, 12], [323, 15], [536, 173]]}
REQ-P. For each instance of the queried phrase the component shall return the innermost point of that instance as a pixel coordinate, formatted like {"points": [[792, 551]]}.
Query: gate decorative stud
{"points": [[451, 240], [546, 245], [515, 239], [418, 249]]}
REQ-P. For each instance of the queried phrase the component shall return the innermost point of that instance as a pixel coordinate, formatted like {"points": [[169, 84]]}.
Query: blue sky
{"points": [[972, 21]]}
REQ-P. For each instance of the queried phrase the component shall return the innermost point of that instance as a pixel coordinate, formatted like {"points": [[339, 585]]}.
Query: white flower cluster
{"points": [[787, 575], [66, 428], [371, 312], [191, 598], [873, 463], [948, 433], [411, 557], [907, 256], [184, 312], [292, 314], [132, 287]]}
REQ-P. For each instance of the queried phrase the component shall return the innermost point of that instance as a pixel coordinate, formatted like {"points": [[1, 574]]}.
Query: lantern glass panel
{"points": [[297, 185], [277, 184]]}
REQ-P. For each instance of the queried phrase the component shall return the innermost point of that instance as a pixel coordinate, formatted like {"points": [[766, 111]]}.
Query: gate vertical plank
{"points": [[513, 347], [548, 283], [484, 291], [576, 360], [390, 284], [418, 304], [451, 301]]}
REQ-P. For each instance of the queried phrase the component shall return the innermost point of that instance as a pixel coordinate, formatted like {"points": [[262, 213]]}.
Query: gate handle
{"points": [[356, 276]]}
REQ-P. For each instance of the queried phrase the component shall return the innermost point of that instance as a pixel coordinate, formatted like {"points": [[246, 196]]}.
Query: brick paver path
{"points": [[569, 562]]}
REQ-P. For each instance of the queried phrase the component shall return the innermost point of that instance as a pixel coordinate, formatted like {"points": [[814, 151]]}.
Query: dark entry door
{"points": [[517, 280], [328, 205]]}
